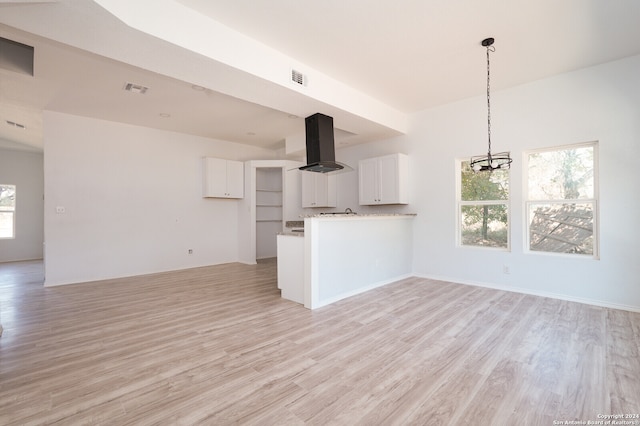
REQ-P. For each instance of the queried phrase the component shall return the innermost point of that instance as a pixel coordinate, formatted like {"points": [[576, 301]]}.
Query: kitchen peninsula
{"points": [[342, 255]]}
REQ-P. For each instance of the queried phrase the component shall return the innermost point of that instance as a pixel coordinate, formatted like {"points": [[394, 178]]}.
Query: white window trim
{"points": [[595, 201], [13, 223]]}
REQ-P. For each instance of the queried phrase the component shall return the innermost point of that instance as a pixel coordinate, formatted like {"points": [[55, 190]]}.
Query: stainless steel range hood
{"points": [[321, 153]]}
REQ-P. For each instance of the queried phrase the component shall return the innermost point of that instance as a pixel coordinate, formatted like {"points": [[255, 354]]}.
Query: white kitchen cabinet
{"points": [[222, 178], [319, 190], [383, 180]]}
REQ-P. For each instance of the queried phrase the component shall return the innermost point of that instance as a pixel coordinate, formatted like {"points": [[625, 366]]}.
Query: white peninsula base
{"points": [[291, 266], [343, 256]]}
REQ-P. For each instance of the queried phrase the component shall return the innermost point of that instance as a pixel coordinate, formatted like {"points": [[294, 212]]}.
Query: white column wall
{"points": [[25, 170]]}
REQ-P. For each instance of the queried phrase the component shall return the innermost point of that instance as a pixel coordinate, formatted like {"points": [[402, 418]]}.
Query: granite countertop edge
{"points": [[329, 215], [291, 234]]}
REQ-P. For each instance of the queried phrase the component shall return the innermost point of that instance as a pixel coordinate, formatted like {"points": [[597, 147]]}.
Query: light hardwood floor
{"points": [[217, 345]]}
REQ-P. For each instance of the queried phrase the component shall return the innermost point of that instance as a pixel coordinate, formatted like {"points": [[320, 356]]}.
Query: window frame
{"points": [[460, 203], [528, 203], [12, 212]]}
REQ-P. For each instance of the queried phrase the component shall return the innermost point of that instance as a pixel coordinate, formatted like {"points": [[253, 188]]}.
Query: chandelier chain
{"points": [[489, 162], [489, 49]]}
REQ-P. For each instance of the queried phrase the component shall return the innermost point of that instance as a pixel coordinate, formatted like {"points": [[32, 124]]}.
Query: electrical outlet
{"points": [[60, 210], [506, 269]]}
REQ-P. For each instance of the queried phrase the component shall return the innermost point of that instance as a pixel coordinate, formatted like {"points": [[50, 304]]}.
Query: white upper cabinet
{"points": [[223, 178], [383, 180], [319, 190]]}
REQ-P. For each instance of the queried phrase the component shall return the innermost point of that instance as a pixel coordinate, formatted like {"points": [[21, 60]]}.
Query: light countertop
{"points": [[354, 215]]}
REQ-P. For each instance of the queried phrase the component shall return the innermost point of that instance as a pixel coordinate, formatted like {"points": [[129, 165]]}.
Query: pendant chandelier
{"points": [[490, 162]]}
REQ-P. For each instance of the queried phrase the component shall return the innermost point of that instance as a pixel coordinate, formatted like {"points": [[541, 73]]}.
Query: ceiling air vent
{"points": [[135, 88], [298, 78]]}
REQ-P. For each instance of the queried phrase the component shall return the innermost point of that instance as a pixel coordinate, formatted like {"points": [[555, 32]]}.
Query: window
{"points": [[483, 207], [561, 202], [7, 211]]}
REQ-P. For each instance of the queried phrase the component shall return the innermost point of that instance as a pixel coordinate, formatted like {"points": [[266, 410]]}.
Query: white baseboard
{"points": [[325, 302], [551, 295]]}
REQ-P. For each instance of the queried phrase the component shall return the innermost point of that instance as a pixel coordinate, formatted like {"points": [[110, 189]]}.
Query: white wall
{"points": [[133, 200], [25, 170], [602, 104]]}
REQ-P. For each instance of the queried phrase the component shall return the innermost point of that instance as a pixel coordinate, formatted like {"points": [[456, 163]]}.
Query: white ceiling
{"points": [[409, 55], [74, 81], [415, 54]]}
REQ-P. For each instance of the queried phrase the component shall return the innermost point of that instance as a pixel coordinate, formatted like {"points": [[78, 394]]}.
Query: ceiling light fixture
{"points": [[490, 162]]}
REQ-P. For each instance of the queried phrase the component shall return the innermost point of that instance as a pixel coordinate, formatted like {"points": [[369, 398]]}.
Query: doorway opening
{"points": [[269, 202]]}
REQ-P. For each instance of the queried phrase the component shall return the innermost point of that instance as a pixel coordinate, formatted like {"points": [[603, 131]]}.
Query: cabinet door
{"points": [[326, 190], [368, 181], [318, 190], [394, 179], [215, 177], [308, 189], [235, 179], [388, 179]]}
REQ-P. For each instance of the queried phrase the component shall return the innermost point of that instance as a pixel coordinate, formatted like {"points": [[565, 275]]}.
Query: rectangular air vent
{"points": [[16, 125], [135, 88], [298, 78]]}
